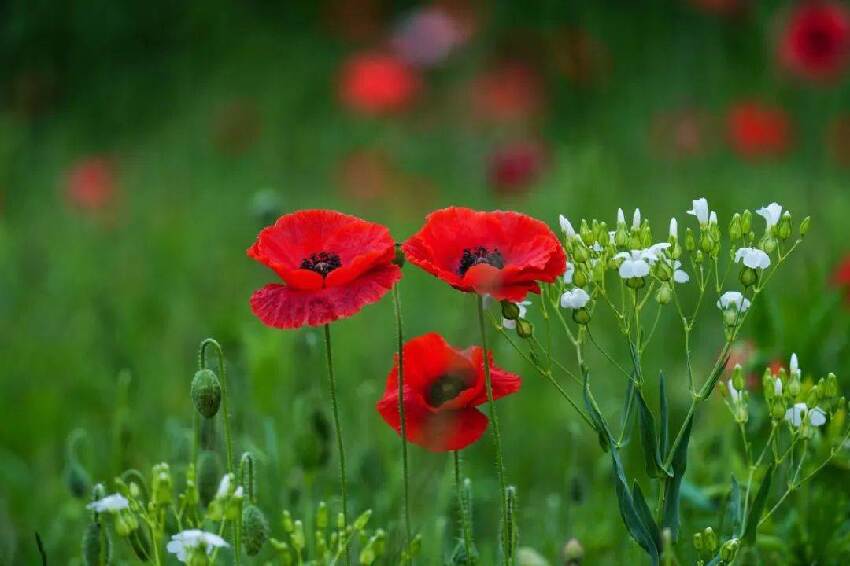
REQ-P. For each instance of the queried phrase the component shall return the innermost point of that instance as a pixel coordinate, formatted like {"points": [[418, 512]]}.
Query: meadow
{"points": [[144, 147]]}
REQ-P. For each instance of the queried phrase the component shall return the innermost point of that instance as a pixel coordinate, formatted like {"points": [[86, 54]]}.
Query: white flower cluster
{"points": [[109, 504], [184, 543]]}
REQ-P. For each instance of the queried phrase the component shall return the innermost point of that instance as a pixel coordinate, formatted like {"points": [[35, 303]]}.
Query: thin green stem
{"points": [[465, 523], [404, 463], [338, 428], [225, 394], [497, 435]]}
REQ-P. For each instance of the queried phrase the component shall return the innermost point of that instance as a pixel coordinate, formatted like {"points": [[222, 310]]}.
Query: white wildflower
{"points": [[733, 300], [566, 226], [679, 275], [109, 504], [636, 219], [771, 214], [752, 257], [798, 414], [185, 541], [568, 274], [674, 228], [700, 210], [574, 299]]}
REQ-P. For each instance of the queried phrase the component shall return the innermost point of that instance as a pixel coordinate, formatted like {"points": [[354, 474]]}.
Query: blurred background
{"points": [[144, 144]]}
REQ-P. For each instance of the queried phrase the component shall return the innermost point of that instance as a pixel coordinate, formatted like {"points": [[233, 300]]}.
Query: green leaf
{"points": [[670, 515], [736, 508], [754, 515], [645, 514], [651, 453], [663, 416], [625, 424], [712, 379], [629, 513]]}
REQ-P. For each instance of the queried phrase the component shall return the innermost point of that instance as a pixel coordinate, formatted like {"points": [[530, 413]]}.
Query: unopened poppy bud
{"points": [[573, 552], [783, 230], [510, 310], [399, 258], [255, 529], [749, 277], [664, 294], [524, 329], [97, 548], [206, 392], [729, 550], [709, 538], [735, 231], [322, 516], [804, 226], [690, 242], [208, 476]]}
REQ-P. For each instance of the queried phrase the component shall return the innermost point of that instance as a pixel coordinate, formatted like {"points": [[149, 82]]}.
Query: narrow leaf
{"points": [[670, 515], [646, 515], [712, 379], [652, 456], [626, 421], [736, 508], [754, 515]]}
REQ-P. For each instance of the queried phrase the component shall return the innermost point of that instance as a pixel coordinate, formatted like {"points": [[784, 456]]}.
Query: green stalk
{"points": [[465, 523], [225, 395], [338, 428], [405, 472]]}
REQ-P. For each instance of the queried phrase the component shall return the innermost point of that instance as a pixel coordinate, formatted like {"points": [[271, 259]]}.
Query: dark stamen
{"points": [[445, 389], [322, 263], [475, 256]]}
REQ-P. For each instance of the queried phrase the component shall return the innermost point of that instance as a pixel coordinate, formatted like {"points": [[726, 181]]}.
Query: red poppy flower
{"points": [[841, 277], [332, 265], [91, 183], [442, 387], [501, 253], [757, 130], [815, 43], [374, 83], [515, 166]]}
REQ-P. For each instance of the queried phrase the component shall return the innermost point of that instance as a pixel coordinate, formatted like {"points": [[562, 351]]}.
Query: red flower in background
{"points": [[376, 83], [332, 264], [841, 276], [513, 167], [758, 130], [91, 183], [500, 253], [815, 43], [512, 91], [442, 388]]}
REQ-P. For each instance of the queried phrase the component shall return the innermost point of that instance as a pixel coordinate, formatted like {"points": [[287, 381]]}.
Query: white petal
{"points": [[712, 218], [507, 324], [680, 276], [621, 218], [636, 219], [733, 393], [771, 214], [566, 226], [674, 228], [574, 299], [700, 210], [794, 366], [817, 417], [777, 387]]}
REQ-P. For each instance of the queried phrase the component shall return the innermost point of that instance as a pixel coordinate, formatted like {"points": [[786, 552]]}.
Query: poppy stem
{"points": [[405, 472], [338, 428], [225, 395], [497, 435], [462, 503]]}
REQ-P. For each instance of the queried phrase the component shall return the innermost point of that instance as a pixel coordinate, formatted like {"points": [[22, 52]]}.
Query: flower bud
{"points": [[581, 316], [746, 222], [768, 244], [286, 522], [97, 549], [585, 233], [524, 329], [690, 242], [729, 550], [664, 294], [361, 521], [255, 529], [735, 231], [208, 476], [573, 552], [706, 244], [579, 278], [322, 516], [635, 282], [749, 277], [510, 310], [783, 230], [162, 485], [738, 377], [581, 254], [206, 392], [297, 536], [709, 538], [831, 386], [698, 542], [600, 232], [804, 226]]}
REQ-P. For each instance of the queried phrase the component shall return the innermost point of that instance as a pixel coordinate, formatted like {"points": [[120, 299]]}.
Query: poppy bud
{"points": [[255, 529], [581, 316], [749, 277], [97, 549], [510, 310], [209, 473], [573, 552], [206, 392], [524, 329], [690, 243], [399, 258], [804, 226]]}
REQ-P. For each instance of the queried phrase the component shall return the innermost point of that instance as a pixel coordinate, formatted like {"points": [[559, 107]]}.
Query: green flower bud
{"points": [[322, 516], [690, 242], [97, 548], [621, 237], [581, 316], [363, 520], [581, 254], [600, 232], [524, 329], [777, 412], [340, 522], [698, 543], [635, 282], [735, 231], [579, 278], [729, 550], [709, 538], [664, 294], [738, 377], [510, 310], [255, 529], [162, 485], [783, 230], [585, 233], [206, 392], [746, 222], [208, 476], [831, 387], [636, 241], [748, 277], [706, 244], [804, 226], [768, 245], [286, 522], [297, 536]]}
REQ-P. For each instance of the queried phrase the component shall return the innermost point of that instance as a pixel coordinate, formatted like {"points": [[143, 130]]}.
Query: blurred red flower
{"points": [[377, 83], [758, 130], [91, 183], [332, 264], [512, 168], [815, 43], [500, 253], [511, 91], [442, 388], [841, 276]]}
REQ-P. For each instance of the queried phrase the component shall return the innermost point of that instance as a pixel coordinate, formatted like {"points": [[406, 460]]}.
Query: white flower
{"points": [[185, 541], [771, 214], [574, 299], [511, 324], [621, 217], [752, 257], [777, 387], [566, 227], [733, 299], [674, 228], [224, 486], [794, 366], [636, 263], [712, 218], [109, 504], [597, 247], [733, 393], [700, 210], [800, 411], [612, 237], [636, 219], [568, 274], [679, 276]]}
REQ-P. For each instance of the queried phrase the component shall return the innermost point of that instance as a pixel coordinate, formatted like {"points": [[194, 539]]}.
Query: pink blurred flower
{"points": [[377, 83], [514, 167], [91, 183], [428, 36], [757, 130], [815, 43]]}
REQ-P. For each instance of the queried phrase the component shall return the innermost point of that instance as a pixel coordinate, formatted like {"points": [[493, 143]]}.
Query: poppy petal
{"points": [[280, 306]]}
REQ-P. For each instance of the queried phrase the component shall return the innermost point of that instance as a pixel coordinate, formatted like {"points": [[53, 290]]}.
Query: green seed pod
{"points": [[206, 392], [581, 316], [524, 329], [510, 310], [209, 474], [749, 277], [97, 548], [255, 529]]}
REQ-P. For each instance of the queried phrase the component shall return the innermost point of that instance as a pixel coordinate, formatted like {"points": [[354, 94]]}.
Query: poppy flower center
{"points": [[445, 389], [479, 255], [322, 263], [819, 42]]}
